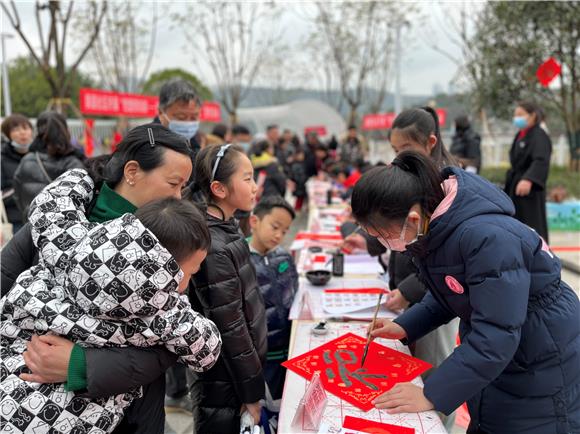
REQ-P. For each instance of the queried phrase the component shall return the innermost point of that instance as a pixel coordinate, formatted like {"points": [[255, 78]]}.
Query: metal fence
{"points": [[494, 150]]}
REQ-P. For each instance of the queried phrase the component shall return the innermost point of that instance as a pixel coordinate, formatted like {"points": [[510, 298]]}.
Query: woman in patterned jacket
{"points": [[112, 284]]}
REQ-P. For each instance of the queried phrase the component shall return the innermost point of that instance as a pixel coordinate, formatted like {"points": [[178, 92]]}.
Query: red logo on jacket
{"points": [[454, 285]]}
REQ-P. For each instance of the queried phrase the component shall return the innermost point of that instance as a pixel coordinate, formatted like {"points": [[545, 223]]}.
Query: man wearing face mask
{"points": [[16, 139], [241, 136], [179, 109]]}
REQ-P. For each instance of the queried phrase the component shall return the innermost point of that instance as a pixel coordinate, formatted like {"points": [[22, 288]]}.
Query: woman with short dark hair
{"points": [[530, 164], [51, 154], [16, 140]]}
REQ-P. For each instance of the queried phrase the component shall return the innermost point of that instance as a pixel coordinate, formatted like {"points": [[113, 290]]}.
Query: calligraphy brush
{"points": [[372, 328]]}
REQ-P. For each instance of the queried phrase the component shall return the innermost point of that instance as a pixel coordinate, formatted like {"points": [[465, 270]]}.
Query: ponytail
{"points": [[418, 124], [385, 195]]}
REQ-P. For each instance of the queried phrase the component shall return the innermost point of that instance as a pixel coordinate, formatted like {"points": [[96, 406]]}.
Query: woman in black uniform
{"points": [[530, 164]]}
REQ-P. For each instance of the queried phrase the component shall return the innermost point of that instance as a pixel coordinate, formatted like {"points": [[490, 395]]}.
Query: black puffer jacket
{"points": [[10, 161], [226, 291], [278, 280], [30, 179]]}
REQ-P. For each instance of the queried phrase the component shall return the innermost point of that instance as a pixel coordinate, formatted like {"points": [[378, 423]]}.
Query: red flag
{"points": [[548, 71]]}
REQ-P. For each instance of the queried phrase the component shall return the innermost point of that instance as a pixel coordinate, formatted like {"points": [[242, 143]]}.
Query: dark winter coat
{"points": [[278, 280], [10, 161], [226, 291], [298, 175], [30, 179], [275, 183], [518, 366], [403, 275], [530, 159], [466, 146]]}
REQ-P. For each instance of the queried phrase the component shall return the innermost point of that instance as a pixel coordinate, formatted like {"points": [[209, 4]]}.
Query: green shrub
{"points": [[559, 176]]}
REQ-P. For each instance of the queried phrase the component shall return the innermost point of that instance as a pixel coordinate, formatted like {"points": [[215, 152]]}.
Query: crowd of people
{"points": [[154, 277]]}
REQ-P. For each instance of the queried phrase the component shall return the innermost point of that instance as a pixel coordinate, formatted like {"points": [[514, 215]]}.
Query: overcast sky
{"points": [[423, 69]]}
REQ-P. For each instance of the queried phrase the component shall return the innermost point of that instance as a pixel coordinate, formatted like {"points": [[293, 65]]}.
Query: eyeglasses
{"points": [[219, 156]]}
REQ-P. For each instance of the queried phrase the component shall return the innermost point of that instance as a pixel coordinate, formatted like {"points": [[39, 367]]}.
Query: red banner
{"points": [[320, 130], [378, 121], [210, 112], [107, 103], [384, 121]]}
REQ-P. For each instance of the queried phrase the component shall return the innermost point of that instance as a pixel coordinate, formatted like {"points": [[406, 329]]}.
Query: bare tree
{"points": [[355, 38], [234, 39], [51, 58], [123, 52], [459, 24]]}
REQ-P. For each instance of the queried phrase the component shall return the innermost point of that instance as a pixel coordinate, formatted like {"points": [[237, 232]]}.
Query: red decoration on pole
{"points": [[89, 140], [548, 71], [442, 115]]}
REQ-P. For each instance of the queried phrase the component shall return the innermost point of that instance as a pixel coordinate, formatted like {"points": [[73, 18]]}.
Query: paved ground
{"points": [[179, 423]]}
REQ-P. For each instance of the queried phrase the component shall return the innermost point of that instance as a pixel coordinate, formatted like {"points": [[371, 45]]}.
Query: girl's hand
{"points": [[354, 241], [47, 356], [396, 301], [385, 328], [403, 398], [254, 409], [523, 188]]}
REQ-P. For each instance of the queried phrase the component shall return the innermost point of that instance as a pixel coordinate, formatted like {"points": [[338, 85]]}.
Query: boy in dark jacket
{"points": [[278, 280]]}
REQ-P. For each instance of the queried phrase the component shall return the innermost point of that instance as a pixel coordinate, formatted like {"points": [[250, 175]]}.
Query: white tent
{"points": [[296, 116]]}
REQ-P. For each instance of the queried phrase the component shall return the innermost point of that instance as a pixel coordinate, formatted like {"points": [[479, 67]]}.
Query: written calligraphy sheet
{"points": [[341, 373], [338, 406]]}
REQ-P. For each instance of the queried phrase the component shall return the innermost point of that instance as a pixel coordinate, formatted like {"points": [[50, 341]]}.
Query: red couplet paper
{"points": [[548, 71], [339, 365], [356, 291], [317, 237], [370, 426]]}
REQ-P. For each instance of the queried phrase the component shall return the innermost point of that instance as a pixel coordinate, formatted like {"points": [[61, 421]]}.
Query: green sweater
{"points": [[109, 206]]}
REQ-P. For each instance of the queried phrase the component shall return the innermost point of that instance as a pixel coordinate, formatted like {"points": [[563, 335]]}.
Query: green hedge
{"points": [[559, 176]]}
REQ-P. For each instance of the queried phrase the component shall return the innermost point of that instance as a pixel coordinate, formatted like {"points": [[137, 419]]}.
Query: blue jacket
{"points": [[278, 281], [518, 365]]}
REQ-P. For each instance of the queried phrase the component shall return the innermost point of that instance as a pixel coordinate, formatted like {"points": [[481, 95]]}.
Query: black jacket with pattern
{"points": [[110, 284], [225, 290]]}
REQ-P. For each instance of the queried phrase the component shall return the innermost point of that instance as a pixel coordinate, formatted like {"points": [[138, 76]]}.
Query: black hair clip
{"points": [[151, 138]]}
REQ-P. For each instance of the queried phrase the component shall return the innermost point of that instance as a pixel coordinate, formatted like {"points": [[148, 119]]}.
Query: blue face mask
{"points": [[19, 147], [186, 129], [245, 146], [520, 122]]}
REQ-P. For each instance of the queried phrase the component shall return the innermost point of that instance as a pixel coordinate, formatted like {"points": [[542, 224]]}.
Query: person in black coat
{"points": [[16, 141], [530, 164], [51, 155], [226, 291], [268, 167], [466, 145]]}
